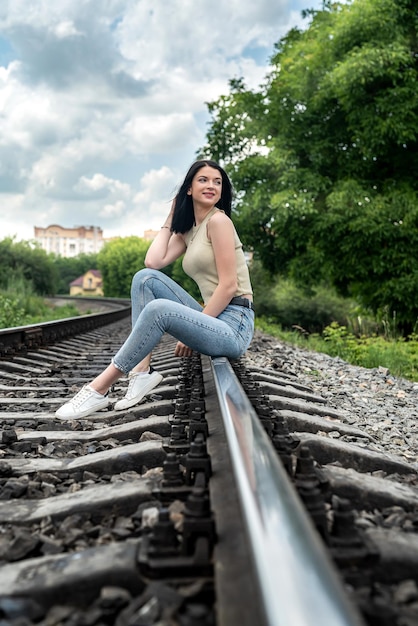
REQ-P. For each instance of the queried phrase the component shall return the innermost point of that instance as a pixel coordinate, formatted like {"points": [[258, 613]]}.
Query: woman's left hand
{"points": [[182, 350]]}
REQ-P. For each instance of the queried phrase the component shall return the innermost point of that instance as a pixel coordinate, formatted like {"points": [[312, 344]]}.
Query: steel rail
{"points": [[298, 583], [22, 338]]}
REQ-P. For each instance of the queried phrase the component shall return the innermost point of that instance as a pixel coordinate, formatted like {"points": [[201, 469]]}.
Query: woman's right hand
{"points": [[182, 350], [169, 218], [166, 247]]}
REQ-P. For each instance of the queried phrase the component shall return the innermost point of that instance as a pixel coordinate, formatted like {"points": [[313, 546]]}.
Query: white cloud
{"points": [[99, 186], [160, 133], [152, 202], [113, 210], [195, 36], [156, 184], [102, 105], [66, 29]]}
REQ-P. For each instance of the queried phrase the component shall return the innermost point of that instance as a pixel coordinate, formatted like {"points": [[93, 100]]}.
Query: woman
{"points": [[198, 226]]}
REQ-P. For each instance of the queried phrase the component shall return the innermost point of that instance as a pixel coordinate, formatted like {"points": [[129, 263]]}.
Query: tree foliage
{"points": [[70, 268], [324, 154], [24, 260], [118, 261]]}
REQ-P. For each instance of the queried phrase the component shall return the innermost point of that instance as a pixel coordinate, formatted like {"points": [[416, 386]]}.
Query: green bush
{"points": [[19, 306], [290, 306], [399, 356], [11, 312], [24, 260]]}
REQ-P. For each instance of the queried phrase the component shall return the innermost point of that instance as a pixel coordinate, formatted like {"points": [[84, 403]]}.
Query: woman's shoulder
{"points": [[220, 217], [219, 221], [220, 225]]}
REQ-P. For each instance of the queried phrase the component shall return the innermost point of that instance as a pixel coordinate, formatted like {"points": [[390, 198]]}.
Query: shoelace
{"points": [[80, 397], [130, 391]]}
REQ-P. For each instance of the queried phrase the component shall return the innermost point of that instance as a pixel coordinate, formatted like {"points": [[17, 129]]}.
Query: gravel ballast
{"points": [[384, 406]]}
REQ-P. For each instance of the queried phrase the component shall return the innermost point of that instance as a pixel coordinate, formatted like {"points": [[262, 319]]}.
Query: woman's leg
{"points": [[228, 335], [167, 308], [201, 332], [106, 379], [147, 286]]}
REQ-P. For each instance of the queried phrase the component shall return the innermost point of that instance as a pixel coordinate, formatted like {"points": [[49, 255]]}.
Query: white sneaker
{"points": [[85, 402], [139, 385]]}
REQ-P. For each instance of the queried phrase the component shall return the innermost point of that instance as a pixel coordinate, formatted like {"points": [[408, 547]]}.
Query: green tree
{"points": [[324, 154], [68, 269], [118, 261], [24, 260]]}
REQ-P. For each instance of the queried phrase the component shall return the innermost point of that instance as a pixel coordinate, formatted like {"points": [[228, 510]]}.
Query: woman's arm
{"points": [[166, 247], [222, 235]]}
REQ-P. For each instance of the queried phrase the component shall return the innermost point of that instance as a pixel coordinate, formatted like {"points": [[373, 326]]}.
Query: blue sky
{"points": [[102, 104]]}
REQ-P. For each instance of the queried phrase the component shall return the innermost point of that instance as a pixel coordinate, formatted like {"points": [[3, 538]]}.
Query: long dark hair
{"points": [[183, 216]]}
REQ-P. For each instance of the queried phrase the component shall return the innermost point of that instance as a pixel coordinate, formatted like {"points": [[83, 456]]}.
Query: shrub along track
{"points": [[133, 517]]}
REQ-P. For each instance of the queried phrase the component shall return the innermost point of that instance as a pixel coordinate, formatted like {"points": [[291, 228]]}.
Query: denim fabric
{"points": [[160, 305]]}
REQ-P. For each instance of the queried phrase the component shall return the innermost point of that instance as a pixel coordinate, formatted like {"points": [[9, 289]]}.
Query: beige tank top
{"points": [[199, 261]]}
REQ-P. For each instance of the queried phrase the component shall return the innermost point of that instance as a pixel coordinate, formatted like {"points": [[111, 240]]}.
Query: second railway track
{"points": [[145, 516]]}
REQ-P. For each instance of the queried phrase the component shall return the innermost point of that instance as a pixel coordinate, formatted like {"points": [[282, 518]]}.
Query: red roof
{"points": [[78, 282]]}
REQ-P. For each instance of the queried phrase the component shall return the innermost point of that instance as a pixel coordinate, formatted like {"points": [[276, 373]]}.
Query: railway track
{"points": [[219, 500]]}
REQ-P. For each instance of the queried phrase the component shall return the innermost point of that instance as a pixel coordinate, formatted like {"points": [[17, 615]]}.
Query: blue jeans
{"points": [[160, 305]]}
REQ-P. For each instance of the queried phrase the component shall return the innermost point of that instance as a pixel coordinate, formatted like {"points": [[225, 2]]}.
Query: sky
{"points": [[103, 102]]}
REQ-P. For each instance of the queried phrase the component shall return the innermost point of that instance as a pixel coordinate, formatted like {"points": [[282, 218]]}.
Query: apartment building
{"points": [[70, 242]]}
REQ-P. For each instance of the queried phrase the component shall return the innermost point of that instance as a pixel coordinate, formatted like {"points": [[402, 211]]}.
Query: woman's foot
{"points": [[85, 402], [140, 384]]}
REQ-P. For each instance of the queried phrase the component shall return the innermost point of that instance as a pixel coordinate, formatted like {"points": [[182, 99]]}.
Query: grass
{"points": [[397, 354], [23, 309], [19, 305]]}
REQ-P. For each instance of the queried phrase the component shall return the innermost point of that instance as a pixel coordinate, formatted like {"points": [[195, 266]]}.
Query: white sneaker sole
{"points": [[62, 414], [155, 380]]}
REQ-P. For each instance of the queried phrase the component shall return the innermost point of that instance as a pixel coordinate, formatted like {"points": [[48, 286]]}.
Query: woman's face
{"points": [[206, 187]]}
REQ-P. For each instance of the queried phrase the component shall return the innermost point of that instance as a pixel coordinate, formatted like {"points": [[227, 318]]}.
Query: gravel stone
{"points": [[384, 406]]}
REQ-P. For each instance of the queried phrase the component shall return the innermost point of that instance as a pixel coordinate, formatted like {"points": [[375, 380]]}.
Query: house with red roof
{"points": [[89, 284]]}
